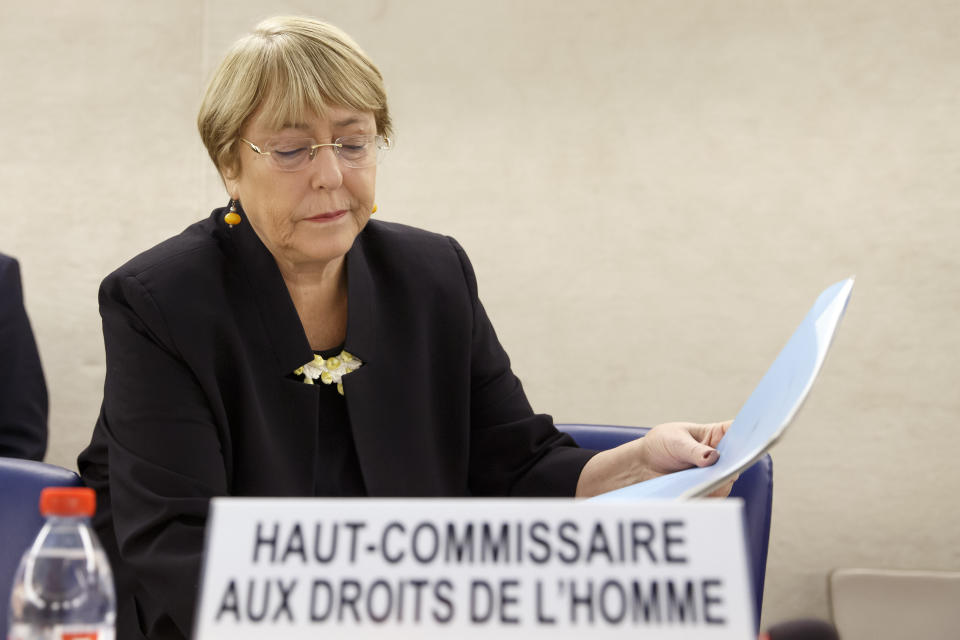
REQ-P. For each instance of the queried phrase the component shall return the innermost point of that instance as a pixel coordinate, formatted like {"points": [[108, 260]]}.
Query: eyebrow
{"points": [[302, 126], [346, 122]]}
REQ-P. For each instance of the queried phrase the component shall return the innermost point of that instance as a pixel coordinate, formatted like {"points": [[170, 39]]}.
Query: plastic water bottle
{"points": [[63, 589]]}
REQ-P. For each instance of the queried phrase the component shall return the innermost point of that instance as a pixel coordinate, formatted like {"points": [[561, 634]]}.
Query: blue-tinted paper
{"points": [[768, 410]]}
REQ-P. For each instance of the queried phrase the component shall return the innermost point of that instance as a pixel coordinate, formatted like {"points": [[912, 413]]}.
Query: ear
{"points": [[231, 180], [229, 168]]}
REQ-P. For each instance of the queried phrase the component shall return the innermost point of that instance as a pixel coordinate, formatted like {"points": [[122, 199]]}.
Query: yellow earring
{"points": [[374, 209], [232, 218]]}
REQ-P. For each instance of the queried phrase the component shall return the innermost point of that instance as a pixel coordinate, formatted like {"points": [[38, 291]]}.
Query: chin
{"points": [[322, 252]]}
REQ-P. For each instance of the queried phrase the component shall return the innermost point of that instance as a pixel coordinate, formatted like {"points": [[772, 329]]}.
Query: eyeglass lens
{"points": [[353, 151]]}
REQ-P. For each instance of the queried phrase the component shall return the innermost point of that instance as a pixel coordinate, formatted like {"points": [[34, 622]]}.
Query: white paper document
{"points": [[768, 410]]}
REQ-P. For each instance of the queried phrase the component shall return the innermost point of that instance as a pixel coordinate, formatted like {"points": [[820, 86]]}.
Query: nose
{"points": [[325, 170]]}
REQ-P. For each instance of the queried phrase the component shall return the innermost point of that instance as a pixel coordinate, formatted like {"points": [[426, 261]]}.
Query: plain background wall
{"points": [[652, 192]]}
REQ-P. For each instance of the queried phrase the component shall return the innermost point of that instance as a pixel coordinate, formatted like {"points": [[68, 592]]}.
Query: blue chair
{"points": [[21, 482], [754, 486]]}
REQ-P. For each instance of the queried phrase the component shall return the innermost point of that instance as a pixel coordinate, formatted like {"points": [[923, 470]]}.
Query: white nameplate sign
{"points": [[371, 568]]}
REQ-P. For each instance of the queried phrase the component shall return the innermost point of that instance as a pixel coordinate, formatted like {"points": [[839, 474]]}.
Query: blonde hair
{"points": [[289, 66]]}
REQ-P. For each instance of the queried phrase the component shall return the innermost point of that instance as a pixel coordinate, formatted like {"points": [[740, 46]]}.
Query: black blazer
{"points": [[201, 336], [23, 393]]}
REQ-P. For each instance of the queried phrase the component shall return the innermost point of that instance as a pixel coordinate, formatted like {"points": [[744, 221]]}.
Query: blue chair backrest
{"points": [[754, 486], [21, 482]]}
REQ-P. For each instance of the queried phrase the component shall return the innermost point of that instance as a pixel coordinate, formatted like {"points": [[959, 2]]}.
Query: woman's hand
{"points": [[666, 448]]}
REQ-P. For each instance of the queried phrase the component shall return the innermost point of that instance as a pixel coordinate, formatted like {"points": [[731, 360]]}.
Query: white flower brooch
{"points": [[330, 370]]}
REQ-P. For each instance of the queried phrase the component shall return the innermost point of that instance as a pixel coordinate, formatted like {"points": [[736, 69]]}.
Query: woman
{"points": [[289, 346]]}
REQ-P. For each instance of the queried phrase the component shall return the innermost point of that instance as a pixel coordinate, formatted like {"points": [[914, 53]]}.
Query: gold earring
{"points": [[374, 208], [232, 218]]}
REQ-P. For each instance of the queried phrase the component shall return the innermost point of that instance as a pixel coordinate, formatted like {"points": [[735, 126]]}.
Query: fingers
{"points": [[711, 433], [691, 449], [708, 437], [723, 490], [680, 445], [704, 456], [717, 431]]}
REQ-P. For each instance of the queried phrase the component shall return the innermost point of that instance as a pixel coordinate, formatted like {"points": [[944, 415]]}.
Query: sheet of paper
{"points": [[767, 412]]}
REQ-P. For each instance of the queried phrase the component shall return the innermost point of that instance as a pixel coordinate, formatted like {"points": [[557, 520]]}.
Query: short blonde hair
{"points": [[290, 66]]}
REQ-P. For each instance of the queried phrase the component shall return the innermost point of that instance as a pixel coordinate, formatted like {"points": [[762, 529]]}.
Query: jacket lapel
{"points": [[394, 424], [291, 408], [360, 387], [278, 315]]}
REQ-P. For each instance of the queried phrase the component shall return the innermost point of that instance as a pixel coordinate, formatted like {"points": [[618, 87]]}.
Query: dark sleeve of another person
{"points": [[23, 393]]}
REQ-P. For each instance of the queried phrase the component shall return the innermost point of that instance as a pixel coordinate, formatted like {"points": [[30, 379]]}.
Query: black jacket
{"points": [[23, 393], [201, 336]]}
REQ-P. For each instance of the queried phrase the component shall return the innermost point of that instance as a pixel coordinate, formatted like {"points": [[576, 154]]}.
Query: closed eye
{"points": [[290, 153]]}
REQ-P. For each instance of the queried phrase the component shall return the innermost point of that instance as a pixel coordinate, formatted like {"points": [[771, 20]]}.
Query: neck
{"points": [[328, 277], [319, 293]]}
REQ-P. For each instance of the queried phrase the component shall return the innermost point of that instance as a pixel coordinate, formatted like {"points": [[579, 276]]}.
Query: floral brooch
{"points": [[330, 370]]}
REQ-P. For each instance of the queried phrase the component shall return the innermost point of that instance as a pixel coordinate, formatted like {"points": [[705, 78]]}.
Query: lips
{"points": [[328, 216]]}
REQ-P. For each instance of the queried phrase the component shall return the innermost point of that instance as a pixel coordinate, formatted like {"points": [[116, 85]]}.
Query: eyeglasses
{"points": [[293, 154]]}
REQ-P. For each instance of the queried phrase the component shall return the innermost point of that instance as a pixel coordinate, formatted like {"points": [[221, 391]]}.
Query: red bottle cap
{"points": [[68, 501]]}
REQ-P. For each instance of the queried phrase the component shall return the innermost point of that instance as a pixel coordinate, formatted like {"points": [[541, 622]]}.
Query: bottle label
{"points": [[21, 631], [81, 632]]}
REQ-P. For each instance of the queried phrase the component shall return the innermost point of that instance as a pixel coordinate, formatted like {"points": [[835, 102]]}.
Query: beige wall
{"points": [[652, 193]]}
